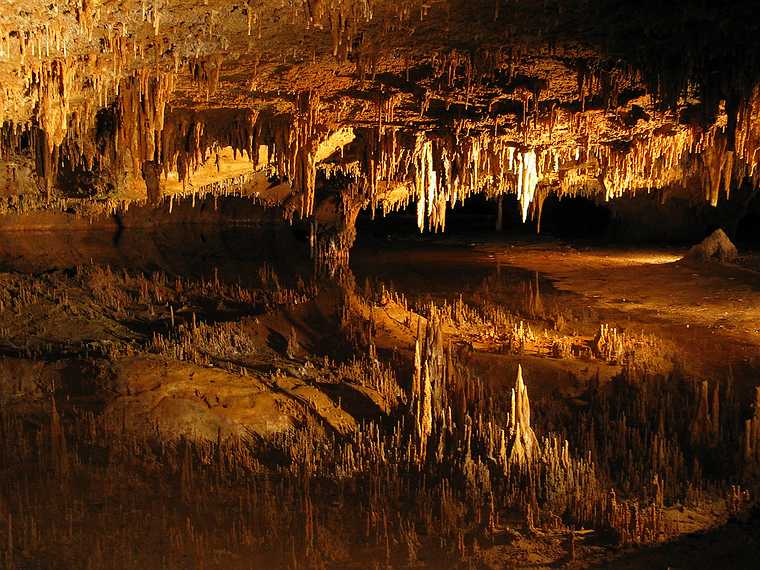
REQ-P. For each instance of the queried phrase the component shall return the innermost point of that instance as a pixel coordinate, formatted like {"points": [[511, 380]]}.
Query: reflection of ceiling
{"points": [[422, 101]]}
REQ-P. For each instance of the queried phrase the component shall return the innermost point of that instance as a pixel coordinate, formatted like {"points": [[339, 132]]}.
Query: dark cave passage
{"points": [[748, 228], [575, 217], [565, 218]]}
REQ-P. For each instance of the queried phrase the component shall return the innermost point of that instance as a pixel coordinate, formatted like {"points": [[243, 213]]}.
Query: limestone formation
{"points": [[109, 92], [524, 442], [216, 353], [716, 246]]}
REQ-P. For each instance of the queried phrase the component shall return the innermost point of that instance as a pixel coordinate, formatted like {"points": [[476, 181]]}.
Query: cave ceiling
{"points": [[107, 102]]}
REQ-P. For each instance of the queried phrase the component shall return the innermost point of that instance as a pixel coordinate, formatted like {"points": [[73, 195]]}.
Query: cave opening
{"points": [[576, 217], [477, 215]]}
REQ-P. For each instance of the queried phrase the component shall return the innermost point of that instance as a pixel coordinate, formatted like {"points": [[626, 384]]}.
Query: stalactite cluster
{"points": [[437, 125], [439, 170], [251, 415]]}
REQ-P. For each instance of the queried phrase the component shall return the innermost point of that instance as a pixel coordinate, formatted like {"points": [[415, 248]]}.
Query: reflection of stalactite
{"points": [[429, 375], [752, 435], [705, 425], [535, 303], [57, 441]]}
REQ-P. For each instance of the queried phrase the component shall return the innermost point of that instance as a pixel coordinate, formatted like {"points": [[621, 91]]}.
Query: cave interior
{"points": [[347, 284]]}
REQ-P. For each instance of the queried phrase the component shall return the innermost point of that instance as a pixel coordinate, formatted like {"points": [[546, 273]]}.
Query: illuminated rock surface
{"points": [[110, 102], [231, 338]]}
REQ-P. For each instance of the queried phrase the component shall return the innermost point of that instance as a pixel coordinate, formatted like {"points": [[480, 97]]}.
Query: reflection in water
{"points": [[235, 254], [434, 406]]}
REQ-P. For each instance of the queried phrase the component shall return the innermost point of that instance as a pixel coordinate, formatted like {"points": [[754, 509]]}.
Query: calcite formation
{"points": [[112, 100], [525, 443], [716, 246], [216, 396], [204, 398]]}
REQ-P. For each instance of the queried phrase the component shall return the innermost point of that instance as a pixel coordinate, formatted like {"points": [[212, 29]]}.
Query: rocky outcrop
{"points": [[715, 247]]}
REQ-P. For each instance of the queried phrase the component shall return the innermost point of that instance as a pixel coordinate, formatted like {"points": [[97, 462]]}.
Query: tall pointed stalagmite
{"points": [[524, 442]]}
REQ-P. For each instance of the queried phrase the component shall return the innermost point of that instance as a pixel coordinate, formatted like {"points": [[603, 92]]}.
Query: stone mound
{"points": [[716, 246]]}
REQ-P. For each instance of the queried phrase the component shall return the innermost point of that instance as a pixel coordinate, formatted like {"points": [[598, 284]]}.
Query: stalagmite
{"points": [[524, 442], [716, 246]]}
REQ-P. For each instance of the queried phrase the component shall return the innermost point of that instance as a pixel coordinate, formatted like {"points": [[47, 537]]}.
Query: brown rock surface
{"points": [[716, 246], [417, 102]]}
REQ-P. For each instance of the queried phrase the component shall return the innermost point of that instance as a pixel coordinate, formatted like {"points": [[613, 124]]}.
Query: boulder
{"points": [[716, 246]]}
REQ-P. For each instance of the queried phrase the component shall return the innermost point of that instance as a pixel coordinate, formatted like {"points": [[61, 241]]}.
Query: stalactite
{"points": [[527, 177], [141, 109], [205, 72], [563, 149], [296, 141], [342, 19]]}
